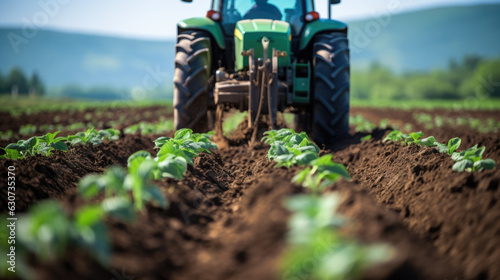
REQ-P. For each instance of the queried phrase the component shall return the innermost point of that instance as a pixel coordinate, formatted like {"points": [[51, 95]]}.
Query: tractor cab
{"points": [[264, 57], [295, 12]]}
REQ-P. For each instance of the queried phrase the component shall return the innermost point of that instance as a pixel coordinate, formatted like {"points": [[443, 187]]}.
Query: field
{"points": [[227, 218]]}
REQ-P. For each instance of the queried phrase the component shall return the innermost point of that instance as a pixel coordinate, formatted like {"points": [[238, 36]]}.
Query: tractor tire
{"points": [[331, 74], [191, 79]]}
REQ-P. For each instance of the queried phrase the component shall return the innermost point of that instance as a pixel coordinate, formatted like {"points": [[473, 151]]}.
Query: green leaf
{"points": [[453, 145], [324, 160], [30, 143], [49, 137], [184, 133], [119, 208], [59, 139], [139, 154], [366, 138], [154, 194], [78, 141], [474, 155], [306, 158], [14, 146], [301, 175], [429, 141], [161, 141], [137, 190], [413, 138], [337, 169], [59, 146], [89, 186], [394, 136], [95, 141], [88, 215], [146, 169], [173, 167], [485, 164], [463, 165], [11, 154], [416, 135]]}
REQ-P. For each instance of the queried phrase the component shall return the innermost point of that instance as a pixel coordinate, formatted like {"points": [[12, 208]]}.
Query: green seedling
{"points": [[322, 173], [361, 124], [366, 138], [28, 129], [46, 231], [452, 146], [35, 145], [394, 136], [93, 136], [384, 123], [317, 249], [423, 118], [472, 160], [289, 148], [116, 184], [413, 138], [6, 135], [185, 140], [150, 128], [398, 136], [277, 135]]}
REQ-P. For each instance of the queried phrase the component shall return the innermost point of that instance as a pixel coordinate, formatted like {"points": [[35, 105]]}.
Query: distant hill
{"points": [[428, 39], [420, 40], [91, 61]]}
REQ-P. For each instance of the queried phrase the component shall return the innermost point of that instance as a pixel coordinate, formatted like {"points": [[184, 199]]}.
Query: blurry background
{"points": [[115, 49]]}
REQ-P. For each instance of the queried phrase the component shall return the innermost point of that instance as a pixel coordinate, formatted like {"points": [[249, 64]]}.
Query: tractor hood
{"points": [[248, 35]]}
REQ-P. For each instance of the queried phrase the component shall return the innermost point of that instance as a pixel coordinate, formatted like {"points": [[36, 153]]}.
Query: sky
{"points": [[156, 19]]}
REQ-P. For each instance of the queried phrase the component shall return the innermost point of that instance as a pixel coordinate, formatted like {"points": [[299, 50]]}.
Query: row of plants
{"points": [[316, 248], [146, 128], [30, 106], [48, 143], [47, 231], [483, 126], [151, 128], [30, 129], [470, 160]]}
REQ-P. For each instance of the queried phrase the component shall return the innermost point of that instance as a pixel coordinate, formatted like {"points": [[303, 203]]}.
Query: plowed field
{"points": [[226, 219]]}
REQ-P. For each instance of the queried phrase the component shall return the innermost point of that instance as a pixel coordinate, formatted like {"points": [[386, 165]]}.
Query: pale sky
{"points": [[156, 19]]}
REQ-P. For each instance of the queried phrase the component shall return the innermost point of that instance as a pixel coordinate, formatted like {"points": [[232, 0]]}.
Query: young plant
{"points": [[150, 128], [35, 145], [449, 149], [317, 249], [46, 231], [191, 143], [366, 138], [322, 173], [93, 136], [472, 160], [397, 136], [289, 148], [116, 184], [394, 136], [361, 124]]}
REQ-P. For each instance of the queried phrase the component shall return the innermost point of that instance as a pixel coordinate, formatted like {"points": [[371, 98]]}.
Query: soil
{"points": [[226, 219]]}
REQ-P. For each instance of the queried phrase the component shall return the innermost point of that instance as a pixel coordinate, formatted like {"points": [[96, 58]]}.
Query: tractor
{"points": [[263, 57]]}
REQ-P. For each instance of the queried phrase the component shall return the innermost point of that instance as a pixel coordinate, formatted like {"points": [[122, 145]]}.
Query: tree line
{"points": [[17, 81], [472, 77]]}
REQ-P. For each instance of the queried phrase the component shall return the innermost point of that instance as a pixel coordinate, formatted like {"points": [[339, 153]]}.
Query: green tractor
{"points": [[263, 57]]}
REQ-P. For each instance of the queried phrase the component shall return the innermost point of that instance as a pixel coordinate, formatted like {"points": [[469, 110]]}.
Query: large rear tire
{"points": [[330, 110], [191, 79]]}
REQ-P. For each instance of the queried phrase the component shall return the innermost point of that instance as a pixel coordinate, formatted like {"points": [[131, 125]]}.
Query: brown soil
{"points": [[226, 219]]}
